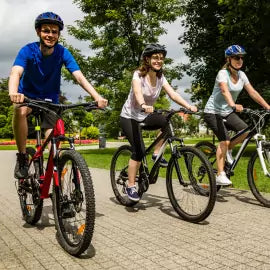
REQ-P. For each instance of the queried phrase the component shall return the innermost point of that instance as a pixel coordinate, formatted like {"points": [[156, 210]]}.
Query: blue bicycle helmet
{"points": [[234, 50], [154, 48], [49, 17]]}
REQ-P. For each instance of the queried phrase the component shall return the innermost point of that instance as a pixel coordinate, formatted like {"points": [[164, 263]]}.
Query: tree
{"points": [[117, 31], [6, 110], [213, 25]]}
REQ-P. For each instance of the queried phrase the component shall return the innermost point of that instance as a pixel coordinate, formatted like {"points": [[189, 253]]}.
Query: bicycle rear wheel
{"points": [[28, 191], [119, 174], [259, 183], [192, 194], [209, 149], [74, 203]]}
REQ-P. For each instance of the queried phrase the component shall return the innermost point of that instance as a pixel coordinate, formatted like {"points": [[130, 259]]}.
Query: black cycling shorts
{"points": [[48, 120], [220, 125]]}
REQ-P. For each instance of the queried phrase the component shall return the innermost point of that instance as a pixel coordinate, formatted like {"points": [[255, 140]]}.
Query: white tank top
{"points": [[131, 108]]}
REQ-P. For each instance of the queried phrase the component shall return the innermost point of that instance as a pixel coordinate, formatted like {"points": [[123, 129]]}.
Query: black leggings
{"points": [[133, 131]]}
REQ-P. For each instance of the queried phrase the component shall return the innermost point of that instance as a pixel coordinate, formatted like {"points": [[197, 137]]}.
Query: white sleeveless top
{"points": [[131, 108]]}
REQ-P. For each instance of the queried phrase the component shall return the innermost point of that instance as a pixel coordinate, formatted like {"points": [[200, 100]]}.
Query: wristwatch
{"points": [[234, 108]]}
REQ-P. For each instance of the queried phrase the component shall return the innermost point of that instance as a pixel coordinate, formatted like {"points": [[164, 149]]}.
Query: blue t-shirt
{"points": [[42, 74]]}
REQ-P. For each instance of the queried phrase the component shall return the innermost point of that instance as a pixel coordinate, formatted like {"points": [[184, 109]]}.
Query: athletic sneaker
{"points": [[229, 156], [21, 167], [132, 193], [223, 180], [163, 162]]}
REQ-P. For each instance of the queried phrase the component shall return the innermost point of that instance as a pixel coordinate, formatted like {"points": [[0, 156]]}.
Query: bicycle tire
{"points": [[258, 182], [189, 160], [29, 195], [74, 203], [209, 149], [119, 175]]}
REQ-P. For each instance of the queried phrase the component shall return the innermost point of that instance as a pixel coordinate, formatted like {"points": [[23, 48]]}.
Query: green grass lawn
{"points": [[101, 158]]}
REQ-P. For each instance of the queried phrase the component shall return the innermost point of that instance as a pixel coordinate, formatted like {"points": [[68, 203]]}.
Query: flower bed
{"points": [[89, 141]]}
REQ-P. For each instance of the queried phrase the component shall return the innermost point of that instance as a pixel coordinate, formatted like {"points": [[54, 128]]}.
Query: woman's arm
{"points": [[256, 96], [177, 98], [137, 89], [226, 94]]}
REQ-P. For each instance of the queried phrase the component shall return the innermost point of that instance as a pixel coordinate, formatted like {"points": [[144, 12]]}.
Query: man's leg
{"points": [[20, 129]]}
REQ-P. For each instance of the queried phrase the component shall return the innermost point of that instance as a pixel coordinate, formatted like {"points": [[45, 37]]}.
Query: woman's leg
{"points": [[221, 155], [133, 167], [235, 123], [157, 121], [133, 134]]}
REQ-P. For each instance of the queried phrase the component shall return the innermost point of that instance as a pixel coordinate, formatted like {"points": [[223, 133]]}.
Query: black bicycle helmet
{"points": [[49, 17], [154, 48]]}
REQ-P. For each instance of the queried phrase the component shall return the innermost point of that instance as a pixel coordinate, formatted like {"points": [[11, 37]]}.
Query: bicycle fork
{"points": [[176, 155], [262, 150]]}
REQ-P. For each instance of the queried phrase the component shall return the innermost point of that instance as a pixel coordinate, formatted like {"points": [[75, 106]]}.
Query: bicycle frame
{"points": [[253, 132], [168, 137], [56, 135]]}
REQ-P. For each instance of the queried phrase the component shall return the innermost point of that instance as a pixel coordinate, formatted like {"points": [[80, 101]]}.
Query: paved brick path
{"points": [[150, 236]]}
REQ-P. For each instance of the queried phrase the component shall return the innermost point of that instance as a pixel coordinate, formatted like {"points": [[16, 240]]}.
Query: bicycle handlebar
{"points": [[251, 111], [172, 111], [57, 109]]}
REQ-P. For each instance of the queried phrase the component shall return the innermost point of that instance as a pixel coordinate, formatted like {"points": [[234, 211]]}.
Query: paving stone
{"points": [[149, 237]]}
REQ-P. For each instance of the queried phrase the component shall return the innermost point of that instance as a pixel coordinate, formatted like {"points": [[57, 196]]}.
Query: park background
{"points": [[107, 38]]}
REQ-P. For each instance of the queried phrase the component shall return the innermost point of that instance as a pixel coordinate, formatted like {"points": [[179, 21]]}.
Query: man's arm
{"points": [[82, 81], [13, 84]]}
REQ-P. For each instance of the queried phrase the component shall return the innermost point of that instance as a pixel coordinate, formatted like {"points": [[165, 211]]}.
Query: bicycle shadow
{"points": [[47, 219], [150, 200], [238, 194]]}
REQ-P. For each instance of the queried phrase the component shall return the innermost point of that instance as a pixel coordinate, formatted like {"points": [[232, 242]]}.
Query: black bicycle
{"points": [[258, 170], [192, 192]]}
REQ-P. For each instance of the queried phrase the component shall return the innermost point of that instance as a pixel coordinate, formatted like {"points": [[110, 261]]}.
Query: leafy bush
{"points": [[90, 132]]}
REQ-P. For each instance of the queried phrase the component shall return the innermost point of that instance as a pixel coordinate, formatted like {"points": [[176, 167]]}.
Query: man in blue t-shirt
{"points": [[36, 73]]}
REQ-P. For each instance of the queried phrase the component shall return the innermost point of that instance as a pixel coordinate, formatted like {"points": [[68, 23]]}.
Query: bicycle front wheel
{"points": [[28, 191], [259, 183], [74, 203], [119, 174], [191, 184]]}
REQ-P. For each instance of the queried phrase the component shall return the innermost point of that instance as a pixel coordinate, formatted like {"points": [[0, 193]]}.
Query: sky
{"points": [[17, 29]]}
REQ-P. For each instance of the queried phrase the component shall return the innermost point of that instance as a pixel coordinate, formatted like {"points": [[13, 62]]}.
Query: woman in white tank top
{"points": [[147, 83]]}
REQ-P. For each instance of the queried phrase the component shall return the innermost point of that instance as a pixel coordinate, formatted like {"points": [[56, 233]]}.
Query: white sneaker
{"points": [[229, 156], [223, 180]]}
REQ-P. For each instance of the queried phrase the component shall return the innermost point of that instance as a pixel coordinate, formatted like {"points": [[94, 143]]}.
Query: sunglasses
{"points": [[237, 57]]}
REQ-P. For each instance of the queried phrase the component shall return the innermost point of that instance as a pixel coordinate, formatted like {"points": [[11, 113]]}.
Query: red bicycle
{"points": [[72, 193]]}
